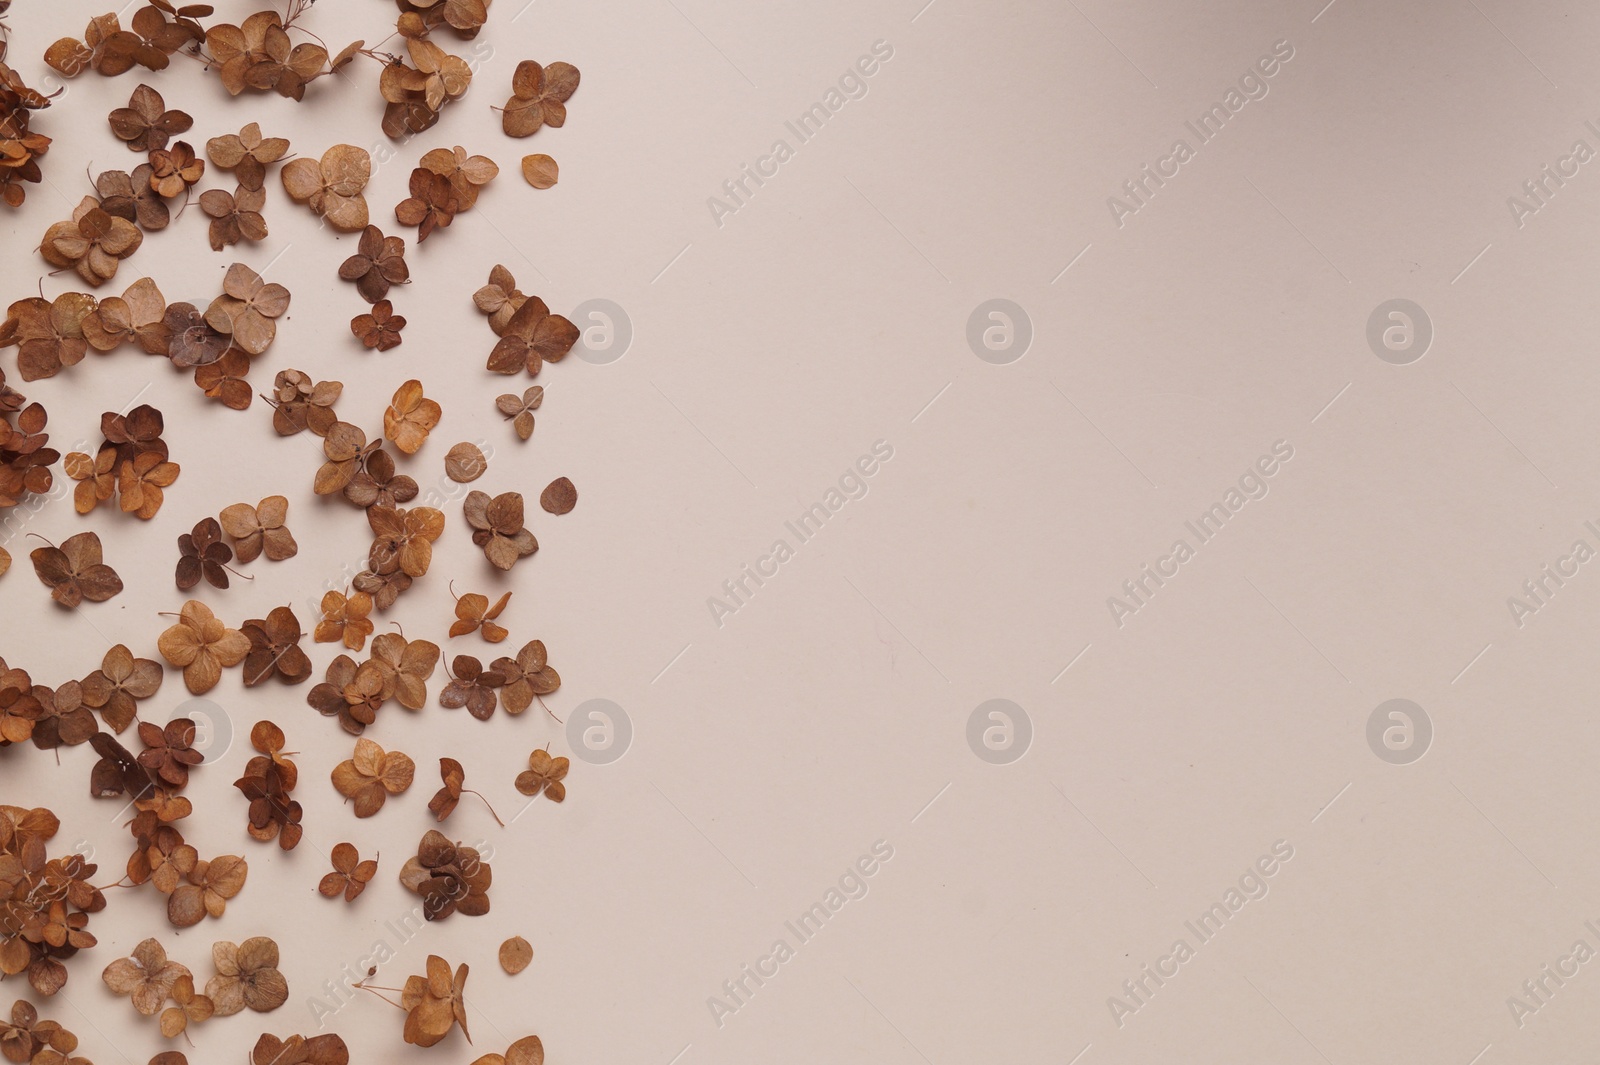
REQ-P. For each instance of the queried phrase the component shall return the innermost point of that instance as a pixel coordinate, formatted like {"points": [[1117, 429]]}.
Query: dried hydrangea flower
{"points": [[332, 186], [201, 645], [275, 648], [247, 976], [92, 243], [497, 527], [371, 775], [174, 170], [247, 153], [128, 195], [146, 976], [544, 774], [76, 570], [350, 874], [380, 327], [539, 97], [435, 1003], [379, 262], [146, 124]]}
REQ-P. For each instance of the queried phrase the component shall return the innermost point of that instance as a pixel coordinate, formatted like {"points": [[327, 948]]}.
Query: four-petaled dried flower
{"points": [[129, 196], [471, 686], [247, 154], [247, 309], [91, 243], [201, 553], [528, 675], [466, 174], [371, 775], [224, 380], [259, 55], [145, 123], [544, 774], [379, 262], [404, 536], [49, 334], [344, 618], [211, 884], [434, 1003], [410, 417], [133, 317], [140, 483], [350, 874], [474, 614], [539, 97], [169, 752], [235, 215], [405, 666], [532, 338], [449, 877], [332, 186], [497, 527], [201, 645], [117, 686], [266, 784], [76, 570], [247, 975], [173, 170], [378, 485], [416, 93], [194, 342], [260, 529], [63, 719], [26, 1038], [499, 299], [433, 203], [354, 694], [146, 976], [275, 648]]}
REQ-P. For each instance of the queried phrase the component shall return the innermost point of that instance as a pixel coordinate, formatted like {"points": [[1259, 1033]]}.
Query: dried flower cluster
{"points": [[27, 1038], [268, 779], [25, 461], [132, 464], [20, 147], [46, 903], [450, 877], [398, 669]]}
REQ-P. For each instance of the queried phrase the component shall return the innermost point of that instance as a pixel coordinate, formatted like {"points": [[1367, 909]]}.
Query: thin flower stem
{"points": [[372, 988], [479, 794]]}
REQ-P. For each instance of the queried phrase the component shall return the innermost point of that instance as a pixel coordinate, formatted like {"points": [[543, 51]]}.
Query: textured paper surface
{"points": [[1230, 317]]}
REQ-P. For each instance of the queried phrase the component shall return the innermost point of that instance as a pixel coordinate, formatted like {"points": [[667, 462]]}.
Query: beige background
{"points": [[831, 711]]}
